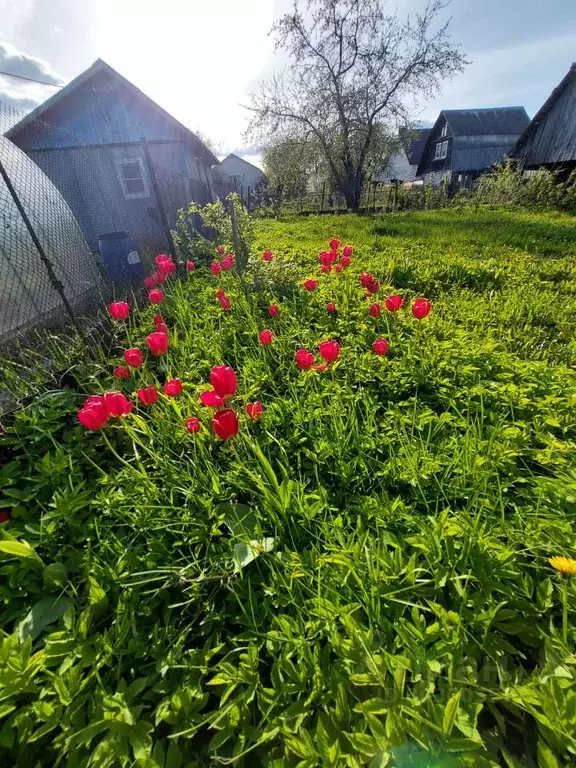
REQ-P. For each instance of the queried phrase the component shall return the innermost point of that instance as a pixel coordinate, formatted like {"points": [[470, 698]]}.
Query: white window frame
{"points": [[444, 130], [132, 161], [441, 150]]}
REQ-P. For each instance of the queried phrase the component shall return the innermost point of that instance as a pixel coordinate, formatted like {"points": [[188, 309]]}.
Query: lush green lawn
{"points": [[359, 578]]}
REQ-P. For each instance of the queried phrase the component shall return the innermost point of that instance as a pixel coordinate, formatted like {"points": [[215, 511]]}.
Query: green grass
{"points": [[362, 577]]}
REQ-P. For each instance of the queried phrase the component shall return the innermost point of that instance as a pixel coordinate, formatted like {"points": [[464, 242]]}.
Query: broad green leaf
{"points": [[46, 611], [55, 575], [240, 519], [20, 549]]}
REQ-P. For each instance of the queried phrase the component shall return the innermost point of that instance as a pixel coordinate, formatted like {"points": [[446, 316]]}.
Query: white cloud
{"points": [[22, 95]]}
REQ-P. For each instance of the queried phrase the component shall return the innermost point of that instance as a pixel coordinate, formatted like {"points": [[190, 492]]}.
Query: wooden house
{"points": [[466, 142], [402, 166], [239, 175], [549, 141], [87, 139]]}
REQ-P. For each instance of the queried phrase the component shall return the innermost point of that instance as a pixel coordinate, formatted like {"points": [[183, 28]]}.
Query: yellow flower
{"points": [[564, 565]]}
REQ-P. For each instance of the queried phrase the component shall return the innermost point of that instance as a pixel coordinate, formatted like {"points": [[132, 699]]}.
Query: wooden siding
{"points": [[553, 139], [428, 164]]}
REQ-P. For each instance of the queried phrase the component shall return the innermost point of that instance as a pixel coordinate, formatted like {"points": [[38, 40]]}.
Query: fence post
{"points": [[59, 288], [323, 193], [159, 203], [239, 253]]}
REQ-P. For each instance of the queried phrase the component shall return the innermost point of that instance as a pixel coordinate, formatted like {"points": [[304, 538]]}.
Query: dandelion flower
{"points": [[564, 565]]}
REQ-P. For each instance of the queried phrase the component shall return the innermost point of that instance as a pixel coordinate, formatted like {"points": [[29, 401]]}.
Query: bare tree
{"points": [[352, 67]]}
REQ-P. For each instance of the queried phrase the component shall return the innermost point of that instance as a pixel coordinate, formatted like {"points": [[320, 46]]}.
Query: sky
{"points": [[199, 59]]}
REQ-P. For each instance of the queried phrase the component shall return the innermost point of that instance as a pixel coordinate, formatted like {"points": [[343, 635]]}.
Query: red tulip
{"points": [[215, 268], [190, 266], [273, 310], [157, 343], [338, 268], [121, 372], [192, 425], [380, 346], [394, 303], [304, 359], [334, 244], [160, 277], [117, 404], [220, 293], [373, 287], [366, 279], [329, 350], [119, 310], [148, 395], [421, 308], [255, 410], [374, 310], [93, 415], [325, 268], [225, 424], [225, 303], [150, 282], [345, 261], [266, 337], [328, 258], [221, 250], [133, 357], [173, 388], [167, 266], [331, 308], [228, 262], [223, 379], [156, 296], [4, 516], [158, 318], [160, 258], [310, 285], [347, 251], [267, 255], [161, 328], [211, 400]]}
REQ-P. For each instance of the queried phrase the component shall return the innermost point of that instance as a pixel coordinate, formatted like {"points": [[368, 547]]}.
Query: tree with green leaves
{"points": [[353, 66]]}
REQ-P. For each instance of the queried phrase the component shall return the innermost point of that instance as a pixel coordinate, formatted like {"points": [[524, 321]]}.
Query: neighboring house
{"points": [[549, 141], [240, 175], [465, 143], [403, 165], [87, 139]]}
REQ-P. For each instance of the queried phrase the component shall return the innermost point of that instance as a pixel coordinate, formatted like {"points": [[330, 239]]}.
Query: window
{"points": [[235, 180], [441, 150], [132, 178], [444, 130]]}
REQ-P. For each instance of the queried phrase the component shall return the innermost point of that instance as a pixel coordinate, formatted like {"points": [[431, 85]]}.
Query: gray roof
{"points": [[479, 122]]}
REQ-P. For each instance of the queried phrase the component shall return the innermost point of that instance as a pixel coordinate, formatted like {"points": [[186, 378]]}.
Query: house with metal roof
{"points": [[87, 138], [549, 141], [465, 143], [402, 166]]}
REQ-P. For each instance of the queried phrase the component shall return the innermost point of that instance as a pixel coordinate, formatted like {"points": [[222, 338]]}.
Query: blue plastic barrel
{"points": [[120, 258]]}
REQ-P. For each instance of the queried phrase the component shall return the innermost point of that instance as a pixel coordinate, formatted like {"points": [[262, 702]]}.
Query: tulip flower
{"points": [[310, 285], [4, 516], [345, 261], [334, 244], [160, 258], [266, 337], [225, 303], [221, 250], [167, 267], [223, 379], [366, 279], [156, 296], [347, 251], [160, 277], [117, 404], [119, 310], [331, 308], [273, 310], [304, 359], [327, 259], [228, 262], [211, 400], [380, 346], [173, 388], [225, 424], [338, 268], [150, 282], [148, 395], [158, 318], [267, 255], [161, 328], [329, 350], [157, 342], [190, 266], [215, 268], [133, 357], [421, 308], [394, 303], [192, 425], [255, 410], [374, 310], [325, 268], [93, 416], [121, 372], [373, 287]]}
